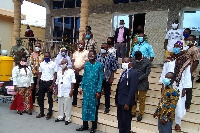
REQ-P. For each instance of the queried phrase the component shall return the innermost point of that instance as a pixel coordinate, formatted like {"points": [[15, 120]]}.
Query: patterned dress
{"points": [[91, 84]]}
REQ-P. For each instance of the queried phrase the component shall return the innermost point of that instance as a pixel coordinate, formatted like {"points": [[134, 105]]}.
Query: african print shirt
{"points": [[35, 61], [166, 106], [109, 63]]}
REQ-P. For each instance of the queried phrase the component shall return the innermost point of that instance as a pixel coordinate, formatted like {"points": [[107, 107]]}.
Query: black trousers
{"points": [[189, 95], [34, 89], [76, 86], [44, 88], [106, 85], [124, 119], [94, 123]]}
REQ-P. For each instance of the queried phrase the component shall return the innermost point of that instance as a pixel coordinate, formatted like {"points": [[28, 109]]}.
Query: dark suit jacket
{"points": [[126, 35], [125, 94]]}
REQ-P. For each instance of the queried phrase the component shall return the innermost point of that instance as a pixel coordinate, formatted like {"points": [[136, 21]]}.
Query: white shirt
{"points": [[173, 36], [64, 82], [21, 78], [47, 70]]}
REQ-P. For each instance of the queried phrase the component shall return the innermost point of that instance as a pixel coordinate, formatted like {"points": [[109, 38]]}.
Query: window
{"points": [[67, 27], [58, 4], [126, 1], [137, 0]]}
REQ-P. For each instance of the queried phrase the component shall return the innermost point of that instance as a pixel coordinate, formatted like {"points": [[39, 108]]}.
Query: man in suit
{"points": [[121, 39], [125, 95]]}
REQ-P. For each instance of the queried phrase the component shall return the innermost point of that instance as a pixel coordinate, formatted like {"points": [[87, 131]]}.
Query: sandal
{"points": [[177, 128]]}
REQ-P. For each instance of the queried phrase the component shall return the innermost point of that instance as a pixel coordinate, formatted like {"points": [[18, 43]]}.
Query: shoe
{"points": [[57, 120], [106, 111], [67, 122], [139, 118], [20, 113], [48, 117], [198, 80], [40, 115], [133, 116], [92, 131], [82, 128], [30, 113]]}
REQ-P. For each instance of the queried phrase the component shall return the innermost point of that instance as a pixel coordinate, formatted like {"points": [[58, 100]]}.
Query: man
{"points": [[35, 59], [144, 47], [90, 43], [193, 54], [124, 98], [186, 34], [143, 66], [172, 36], [111, 48], [45, 83], [121, 39], [64, 90], [170, 96], [110, 66], [17, 50], [91, 86], [29, 33], [78, 60], [180, 66]]}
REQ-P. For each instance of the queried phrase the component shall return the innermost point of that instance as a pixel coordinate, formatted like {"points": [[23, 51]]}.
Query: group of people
{"points": [[95, 72]]}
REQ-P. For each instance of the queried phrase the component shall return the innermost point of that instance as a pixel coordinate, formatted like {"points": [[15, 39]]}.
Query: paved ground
{"points": [[11, 122]]}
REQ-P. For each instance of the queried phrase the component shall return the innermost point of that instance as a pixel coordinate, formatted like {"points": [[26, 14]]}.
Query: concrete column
{"points": [[17, 18], [84, 17]]}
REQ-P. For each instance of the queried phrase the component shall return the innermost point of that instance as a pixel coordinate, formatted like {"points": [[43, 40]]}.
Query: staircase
{"points": [[108, 122]]}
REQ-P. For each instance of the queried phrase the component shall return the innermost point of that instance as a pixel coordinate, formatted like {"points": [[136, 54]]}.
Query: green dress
{"points": [[91, 84]]}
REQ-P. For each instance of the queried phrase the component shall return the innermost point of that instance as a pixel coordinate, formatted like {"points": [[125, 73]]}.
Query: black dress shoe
{"points": [[57, 120], [106, 111], [139, 118], [67, 122], [133, 116], [92, 131], [82, 128]]}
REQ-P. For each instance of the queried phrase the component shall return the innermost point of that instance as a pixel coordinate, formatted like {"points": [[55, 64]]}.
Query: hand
{"points": [[81, 92], [154, 115], [183, 93], [126, 107], [162, 122], [51, 88], [71, 93], [56, 93], [98, 95]]}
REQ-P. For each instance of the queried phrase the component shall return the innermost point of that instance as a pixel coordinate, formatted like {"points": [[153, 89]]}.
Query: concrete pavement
{"points": [[11, 122]]}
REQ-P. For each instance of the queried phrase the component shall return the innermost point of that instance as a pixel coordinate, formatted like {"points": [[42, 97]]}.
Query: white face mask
{"points": [[125, 66], [63, 66], [174, 26], [103, 51], [63, 53], [121, 25], [37, 49]]}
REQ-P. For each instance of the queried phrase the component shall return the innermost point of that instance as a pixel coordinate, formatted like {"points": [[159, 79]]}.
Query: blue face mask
{"points": [[47, 59], [166, 81], [176, 50], [186, 35], [140, 39], [87, 36]]}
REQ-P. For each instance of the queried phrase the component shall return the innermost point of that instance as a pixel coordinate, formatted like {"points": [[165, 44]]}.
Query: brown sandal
{"points": [[177, 128]]}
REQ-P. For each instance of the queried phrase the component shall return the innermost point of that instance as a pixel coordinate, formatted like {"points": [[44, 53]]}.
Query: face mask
{"points": [[140, 39], [186, 35], [63, 53], [189, 43], [109, 42], [80, 46], [91, 59], [87, 36], [63, 66], [125, 66], [166, 81], [37, 49], [103, 51], [22, 63], [47, 59], [176, 50], [121, 25], [174, 26]]}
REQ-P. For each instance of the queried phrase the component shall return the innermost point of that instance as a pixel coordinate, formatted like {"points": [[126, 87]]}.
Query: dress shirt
{"points": [[21, 78], [64, 82], [120, 37], [47, 70], [145, 48]]}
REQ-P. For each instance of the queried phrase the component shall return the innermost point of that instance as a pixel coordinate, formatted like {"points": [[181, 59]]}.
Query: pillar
{"points": [[17, 18], [84, 17]]}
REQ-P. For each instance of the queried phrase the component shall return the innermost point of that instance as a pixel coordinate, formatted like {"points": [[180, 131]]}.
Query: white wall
{"points": [[7, 4], [5, 35]]}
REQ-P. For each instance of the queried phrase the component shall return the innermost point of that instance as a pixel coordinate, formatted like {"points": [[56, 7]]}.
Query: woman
{"points": [[23, 83]]}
